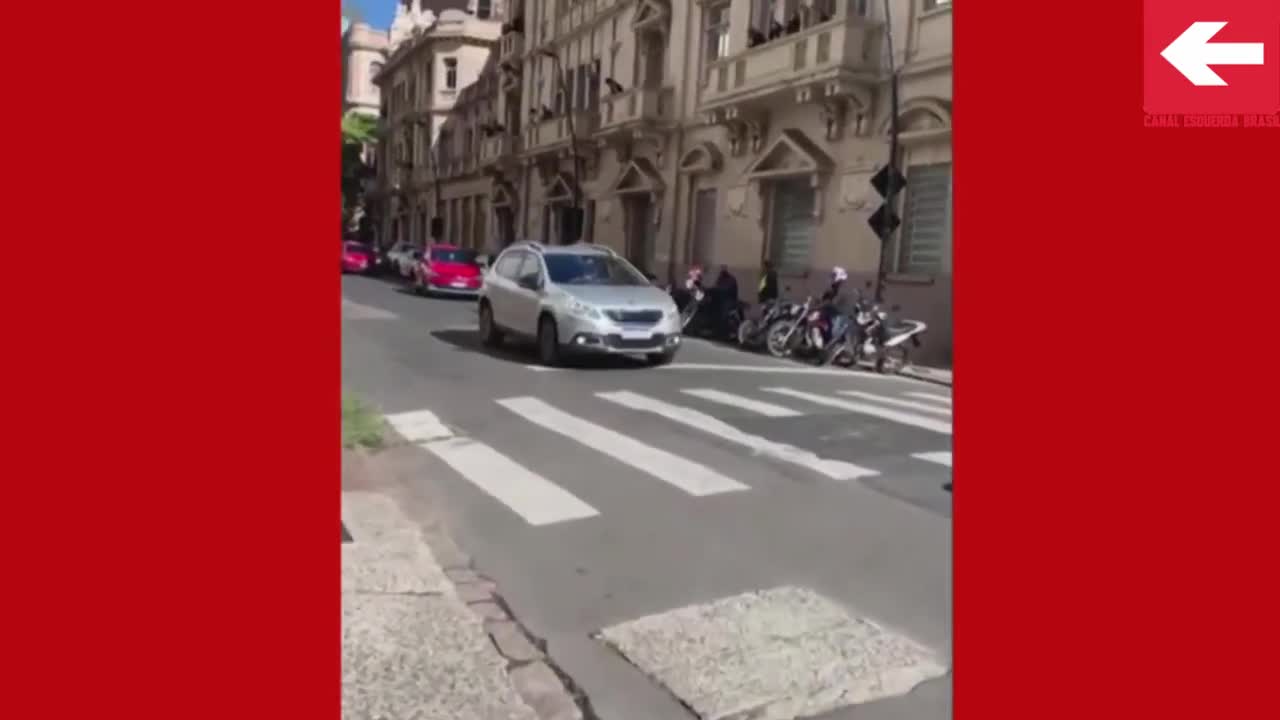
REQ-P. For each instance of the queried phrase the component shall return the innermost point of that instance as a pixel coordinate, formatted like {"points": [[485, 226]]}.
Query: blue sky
{"points": [[377, 13]]}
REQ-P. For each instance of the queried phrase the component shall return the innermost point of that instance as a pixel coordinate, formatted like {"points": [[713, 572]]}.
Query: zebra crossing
{"points": [[539, 501]]}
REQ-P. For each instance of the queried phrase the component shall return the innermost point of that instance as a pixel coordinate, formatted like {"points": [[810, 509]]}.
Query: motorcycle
{"points": [[754, 327], [705, 314], [791, 334], [874, 335]]}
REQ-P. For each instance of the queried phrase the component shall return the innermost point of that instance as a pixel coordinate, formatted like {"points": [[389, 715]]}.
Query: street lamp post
{"points": [[576, 219]]}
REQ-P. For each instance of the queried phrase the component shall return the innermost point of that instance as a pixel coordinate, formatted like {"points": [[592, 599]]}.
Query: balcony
{"points": [[511, 47], [499, 151], [842, 51], [553, 133], [636, 108]]}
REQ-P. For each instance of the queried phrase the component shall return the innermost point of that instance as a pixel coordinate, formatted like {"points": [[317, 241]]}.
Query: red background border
{"points": [[172, 350], [172, 476], [1114, 293]]}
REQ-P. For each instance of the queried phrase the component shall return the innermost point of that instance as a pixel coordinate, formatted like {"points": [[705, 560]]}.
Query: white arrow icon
{"points": [[1191, 53]]}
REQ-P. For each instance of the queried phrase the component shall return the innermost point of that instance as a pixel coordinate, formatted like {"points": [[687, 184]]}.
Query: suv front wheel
{"points": [[548, 342]]}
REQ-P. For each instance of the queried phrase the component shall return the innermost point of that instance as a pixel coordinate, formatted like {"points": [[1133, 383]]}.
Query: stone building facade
{"points": [[718, 132], [436, 91]]}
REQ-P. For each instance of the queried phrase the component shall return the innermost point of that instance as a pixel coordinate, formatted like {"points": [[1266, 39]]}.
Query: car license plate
{"points": [[459, 283], [636, 334]]}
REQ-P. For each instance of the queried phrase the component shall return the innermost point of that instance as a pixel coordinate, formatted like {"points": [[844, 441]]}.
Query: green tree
{"points": [[359, 133]]}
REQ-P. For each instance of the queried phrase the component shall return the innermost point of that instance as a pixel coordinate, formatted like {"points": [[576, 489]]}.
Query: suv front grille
{"points": [[634, 316]]}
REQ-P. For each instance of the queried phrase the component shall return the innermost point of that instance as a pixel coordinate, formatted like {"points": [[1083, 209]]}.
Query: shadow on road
{"points": [[409, 290], [524, 354]]}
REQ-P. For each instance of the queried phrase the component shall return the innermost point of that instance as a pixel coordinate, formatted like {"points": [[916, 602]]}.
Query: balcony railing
{"points": [[846, 44], [636, 106], [554, 131], [497, 149]]}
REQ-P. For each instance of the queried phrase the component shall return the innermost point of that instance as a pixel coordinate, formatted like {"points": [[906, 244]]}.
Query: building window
{"points": [[717, 32], [925, 243], [484, 9], [793, 225], [374, 69], [451, 73]]}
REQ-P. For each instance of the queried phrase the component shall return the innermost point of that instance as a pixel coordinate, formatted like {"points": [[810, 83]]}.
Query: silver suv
{"points": [[576, 298]]}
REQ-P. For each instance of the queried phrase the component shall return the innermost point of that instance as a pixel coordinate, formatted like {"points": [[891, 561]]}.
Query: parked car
{"points": [[404, 257], [581, 298], [357, 257], [448, 270]]}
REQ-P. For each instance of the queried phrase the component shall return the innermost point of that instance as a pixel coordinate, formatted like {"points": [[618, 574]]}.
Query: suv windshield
{"points": [[454, 255], [572, 269]]}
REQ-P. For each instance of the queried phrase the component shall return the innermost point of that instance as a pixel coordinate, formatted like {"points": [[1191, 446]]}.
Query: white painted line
{"points": [[910, 405], [419, 426], [835, 469], [746, 403], [695, 479], [540, 368], [529, 495], [930, 396], [941, 458], [897, 416], [787, 370]]}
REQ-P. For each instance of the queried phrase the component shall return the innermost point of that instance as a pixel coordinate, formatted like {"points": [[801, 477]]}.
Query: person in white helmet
{"points": [[835, 302]]}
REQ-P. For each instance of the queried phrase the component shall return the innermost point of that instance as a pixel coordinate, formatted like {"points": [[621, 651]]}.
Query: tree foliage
{"points": [[358, 135]]}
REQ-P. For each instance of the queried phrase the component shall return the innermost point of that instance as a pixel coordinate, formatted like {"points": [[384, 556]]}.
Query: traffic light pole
{"points": [[891, 186]]}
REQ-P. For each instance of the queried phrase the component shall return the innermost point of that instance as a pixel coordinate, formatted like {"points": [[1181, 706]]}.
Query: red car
{"points": [[448, 270], [356, 257]]}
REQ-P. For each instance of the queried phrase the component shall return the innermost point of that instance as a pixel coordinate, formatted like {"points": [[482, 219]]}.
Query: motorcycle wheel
{"points": [[746, 329], [831, 352], [775, 338], [687, 313], [891, 361]]}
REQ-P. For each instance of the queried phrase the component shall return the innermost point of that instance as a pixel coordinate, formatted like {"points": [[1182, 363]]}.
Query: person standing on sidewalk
{"points": [[767, 290]]}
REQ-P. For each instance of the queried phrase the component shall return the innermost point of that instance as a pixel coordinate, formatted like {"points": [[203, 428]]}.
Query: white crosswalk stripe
{"points": [[531, 496], [745, 403], [691, 477], [941, 458], [885, 400], [834, 469], [419, 426], [930, 396], [898, 416]]}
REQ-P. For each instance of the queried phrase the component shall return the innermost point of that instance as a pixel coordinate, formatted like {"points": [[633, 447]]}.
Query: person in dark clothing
{"points": [[767, 290], [724, 296]]}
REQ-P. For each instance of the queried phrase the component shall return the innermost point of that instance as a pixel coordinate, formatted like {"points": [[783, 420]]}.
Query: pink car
{"points": [[448, 270], [356, 257]]}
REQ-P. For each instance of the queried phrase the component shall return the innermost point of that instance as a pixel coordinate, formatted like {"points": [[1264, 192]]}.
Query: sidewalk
{"points": [[424, 642]]}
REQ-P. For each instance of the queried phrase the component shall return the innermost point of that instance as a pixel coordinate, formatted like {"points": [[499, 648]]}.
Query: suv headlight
{"points": [[581, 309]]}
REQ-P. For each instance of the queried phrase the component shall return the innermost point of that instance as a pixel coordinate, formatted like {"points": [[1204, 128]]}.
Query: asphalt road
{"points": [[658, 488]]}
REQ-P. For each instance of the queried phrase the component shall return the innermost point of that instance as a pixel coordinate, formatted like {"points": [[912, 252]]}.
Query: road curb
{"points": [[539, 681], [536, 678]]}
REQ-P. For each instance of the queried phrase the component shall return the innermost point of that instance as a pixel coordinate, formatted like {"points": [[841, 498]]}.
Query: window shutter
{"points": [[926, 232]]}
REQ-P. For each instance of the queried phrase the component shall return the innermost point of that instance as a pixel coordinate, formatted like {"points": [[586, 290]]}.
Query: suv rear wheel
{"points": [[490, 335]]}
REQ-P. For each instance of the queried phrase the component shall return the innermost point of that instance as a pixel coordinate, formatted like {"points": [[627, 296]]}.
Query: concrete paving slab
{"points": [[399, 563], [421, 657], [781, 653]]}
